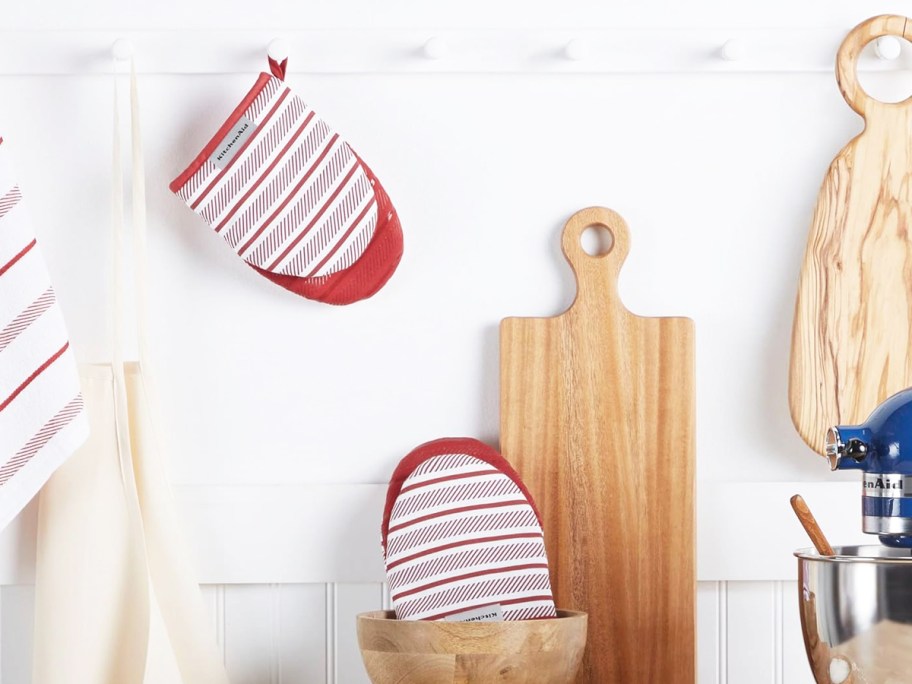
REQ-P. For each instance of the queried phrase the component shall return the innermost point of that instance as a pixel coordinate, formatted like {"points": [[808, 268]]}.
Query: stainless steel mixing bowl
{"points": [[856, 614]]}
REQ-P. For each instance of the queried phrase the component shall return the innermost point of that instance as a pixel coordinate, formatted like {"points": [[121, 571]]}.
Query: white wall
{"points": [[485, 153]]}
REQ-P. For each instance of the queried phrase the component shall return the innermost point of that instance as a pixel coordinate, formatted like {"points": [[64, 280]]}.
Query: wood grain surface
{"points": [[545, 651], [597, 415], [853, 316], [809, 523]]}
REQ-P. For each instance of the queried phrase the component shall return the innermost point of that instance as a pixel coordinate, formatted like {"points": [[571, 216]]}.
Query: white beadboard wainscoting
{"points": [[285, 570], [304, 633]]}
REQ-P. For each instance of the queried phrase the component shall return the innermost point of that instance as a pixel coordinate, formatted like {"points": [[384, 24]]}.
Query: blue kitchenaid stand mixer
{"points": [[881, 447]]}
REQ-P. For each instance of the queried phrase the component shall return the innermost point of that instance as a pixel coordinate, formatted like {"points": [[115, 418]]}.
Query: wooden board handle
{"points": [[596, 272], [847, 60]]}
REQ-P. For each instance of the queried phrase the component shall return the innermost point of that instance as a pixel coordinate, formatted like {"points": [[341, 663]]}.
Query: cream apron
{"points": [[116, 601]]}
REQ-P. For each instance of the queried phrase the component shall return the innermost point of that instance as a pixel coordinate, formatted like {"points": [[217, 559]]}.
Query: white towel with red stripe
{"points": [[462, 538], [42, 420], [295, 202]]}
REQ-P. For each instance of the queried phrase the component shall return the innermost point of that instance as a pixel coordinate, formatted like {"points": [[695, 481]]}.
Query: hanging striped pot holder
{"points": [[293, 199], [462, 539]]}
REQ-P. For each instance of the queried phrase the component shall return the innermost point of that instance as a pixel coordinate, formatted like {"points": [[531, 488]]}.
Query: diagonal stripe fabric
{"points": [[42, 418], [293, 199], [462, 538]]}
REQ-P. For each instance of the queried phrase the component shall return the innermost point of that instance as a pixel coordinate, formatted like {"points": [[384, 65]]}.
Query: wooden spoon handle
{"points": [[809, 523]]}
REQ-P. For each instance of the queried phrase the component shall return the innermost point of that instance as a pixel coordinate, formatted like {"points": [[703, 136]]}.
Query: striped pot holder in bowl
{"points": [[462, 539], [293, 199]]}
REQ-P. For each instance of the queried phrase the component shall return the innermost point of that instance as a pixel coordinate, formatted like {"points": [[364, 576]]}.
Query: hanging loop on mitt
{"points": [[277, 54]]}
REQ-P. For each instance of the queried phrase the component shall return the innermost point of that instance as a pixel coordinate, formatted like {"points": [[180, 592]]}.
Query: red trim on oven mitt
{"points": [[462, 539], [292, 198]]}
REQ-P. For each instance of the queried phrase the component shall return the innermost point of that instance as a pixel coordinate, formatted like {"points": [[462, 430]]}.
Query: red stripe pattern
{"points": [[295, 200], [28, 316], [462, 537], [18, 256], [458, 526], [9, 200], [42, 417], [226, 192], [51, 429], [223, 179], [34, 375], [209, 171]]}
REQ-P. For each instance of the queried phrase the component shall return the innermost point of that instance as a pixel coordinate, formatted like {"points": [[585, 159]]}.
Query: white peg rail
{"points": [[419, 51]]}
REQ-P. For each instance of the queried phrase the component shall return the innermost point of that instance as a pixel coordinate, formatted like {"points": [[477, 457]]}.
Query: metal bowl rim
{"points": [[810, 554]]}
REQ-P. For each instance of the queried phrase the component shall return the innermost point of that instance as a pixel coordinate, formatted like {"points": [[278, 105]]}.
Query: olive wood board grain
{"points": [[852, 332]]}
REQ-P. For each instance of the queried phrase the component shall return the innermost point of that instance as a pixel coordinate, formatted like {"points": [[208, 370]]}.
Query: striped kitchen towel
{"points": [[295, 202], [42, 420], [462, 538]]}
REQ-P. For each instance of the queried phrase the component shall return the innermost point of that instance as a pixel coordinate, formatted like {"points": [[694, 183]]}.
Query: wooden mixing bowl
{"points": [[522, 652]]}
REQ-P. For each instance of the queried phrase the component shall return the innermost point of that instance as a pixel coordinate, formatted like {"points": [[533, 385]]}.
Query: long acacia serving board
{"points": [[852, 334], [597, 415]]}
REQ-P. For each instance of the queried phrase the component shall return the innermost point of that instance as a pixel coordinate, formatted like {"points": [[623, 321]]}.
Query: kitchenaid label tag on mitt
{"points": [[887, 485], [484, 614], [232, 142]]}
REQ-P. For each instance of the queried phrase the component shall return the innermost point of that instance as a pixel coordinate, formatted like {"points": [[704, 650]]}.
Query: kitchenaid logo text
{"points": [[879, 483], [887, 485], [493, 613], [237, 136], [232, 142]]}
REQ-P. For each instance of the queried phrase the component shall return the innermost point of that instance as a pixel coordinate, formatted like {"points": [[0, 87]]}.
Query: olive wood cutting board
{"points": [[597, 415], [852, 333]]}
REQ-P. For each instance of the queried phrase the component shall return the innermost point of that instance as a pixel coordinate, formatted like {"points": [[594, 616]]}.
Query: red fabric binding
{"points": [[370, 271], [278, 68], [439, 447]]}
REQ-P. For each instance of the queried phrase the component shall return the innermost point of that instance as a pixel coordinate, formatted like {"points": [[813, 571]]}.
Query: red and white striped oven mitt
{"points": [[295, 202], [462, 538]]}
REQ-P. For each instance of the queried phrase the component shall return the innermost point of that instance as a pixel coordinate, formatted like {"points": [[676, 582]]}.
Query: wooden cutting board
{"points": [[852, 335], [597, 415]]}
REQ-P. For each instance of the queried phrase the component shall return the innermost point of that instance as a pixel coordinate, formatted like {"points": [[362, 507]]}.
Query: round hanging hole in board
{"points": [[886, 80], [597, 240]]}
